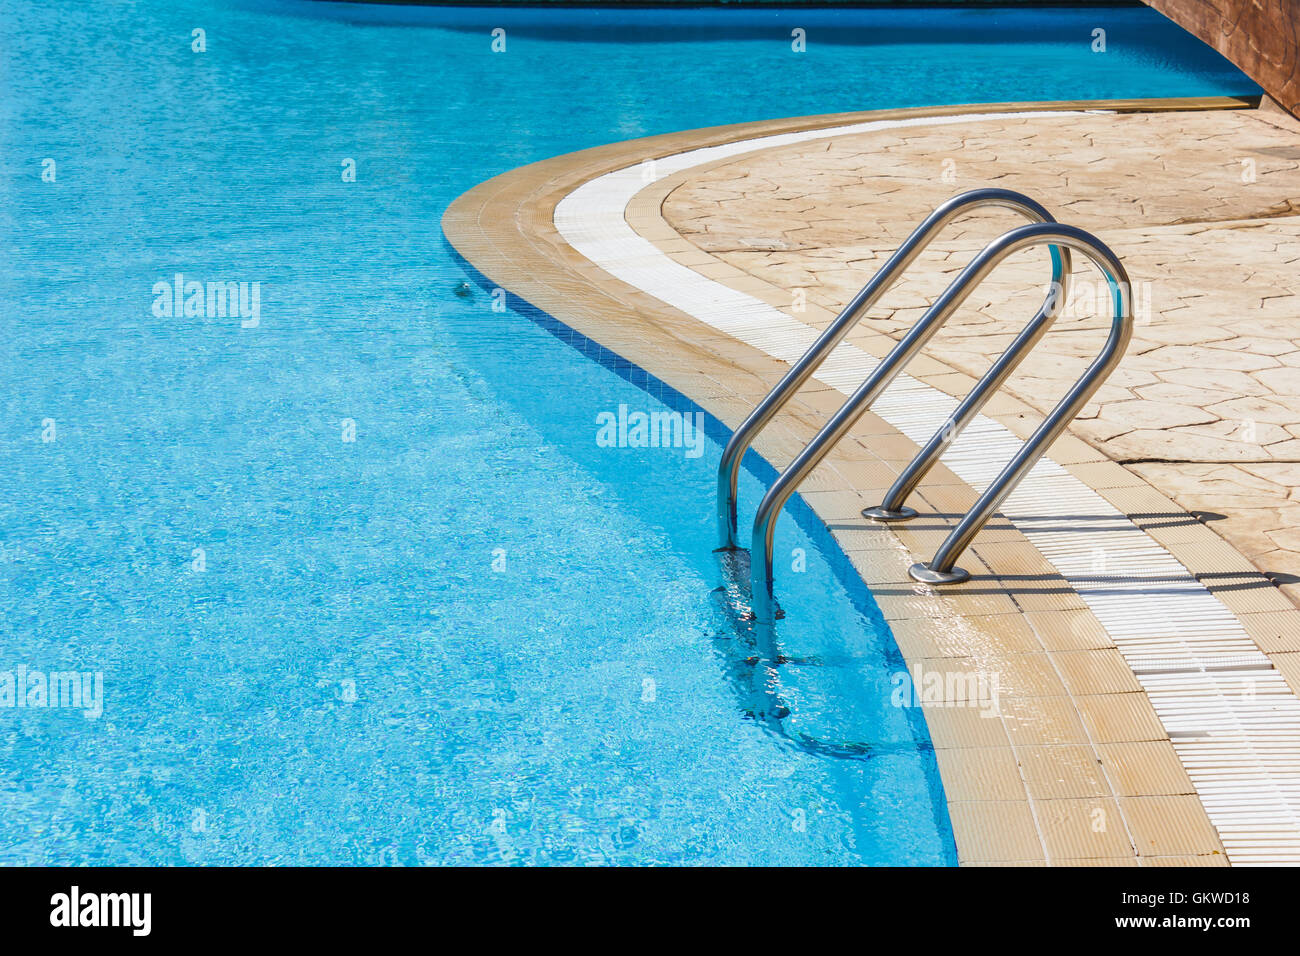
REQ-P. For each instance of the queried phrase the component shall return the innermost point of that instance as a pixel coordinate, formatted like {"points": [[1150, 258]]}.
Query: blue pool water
{"points": [[470, 633]]}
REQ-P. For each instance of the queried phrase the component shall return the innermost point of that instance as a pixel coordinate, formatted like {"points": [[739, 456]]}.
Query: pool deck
{"points": [[1147, 660]]}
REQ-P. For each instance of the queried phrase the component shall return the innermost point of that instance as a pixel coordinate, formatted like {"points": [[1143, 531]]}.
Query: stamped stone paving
{"points": [[1202, 207]]}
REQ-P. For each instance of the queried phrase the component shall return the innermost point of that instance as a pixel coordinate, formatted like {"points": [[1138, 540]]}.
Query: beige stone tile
{"points": [[1100, 671], [982, 773], [994, 831], [1062, 771], [975, 637], [1042, 721], [954, 727], [1289, 666], [1083, 829], [1024, 675], [1274, 631], [1149, 768], [1004, 863], [1105, 474], [930, 637], [1209, 859], [1106, 861], [1075, 630], [1119, 718], [1170, 826]]}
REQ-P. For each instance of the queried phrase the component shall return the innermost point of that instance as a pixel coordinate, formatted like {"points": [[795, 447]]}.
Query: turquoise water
{"points": [[362, 583]]}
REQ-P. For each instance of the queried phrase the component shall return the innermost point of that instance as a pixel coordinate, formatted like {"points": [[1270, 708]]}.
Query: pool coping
{"points": [[1083, 737]]}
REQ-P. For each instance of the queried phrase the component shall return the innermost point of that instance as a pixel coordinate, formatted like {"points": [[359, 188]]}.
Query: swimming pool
{"points": [[365, 579]]}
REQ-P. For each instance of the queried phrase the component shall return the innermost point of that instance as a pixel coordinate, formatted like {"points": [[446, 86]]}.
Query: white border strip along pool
{"points": [[1230, 715]]}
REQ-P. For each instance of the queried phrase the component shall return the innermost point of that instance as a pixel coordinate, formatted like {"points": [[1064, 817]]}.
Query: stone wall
{"points": [[1260, 36]]}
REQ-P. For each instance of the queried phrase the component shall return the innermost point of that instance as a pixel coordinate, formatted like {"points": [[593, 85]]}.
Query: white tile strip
{"points": [[1230, 715]]}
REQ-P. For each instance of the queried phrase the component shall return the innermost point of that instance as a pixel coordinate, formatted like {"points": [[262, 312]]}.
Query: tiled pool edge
{"points": [[1037, 831]]}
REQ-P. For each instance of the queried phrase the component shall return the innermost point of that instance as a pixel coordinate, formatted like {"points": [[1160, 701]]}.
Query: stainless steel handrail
{"points": [[894, 507], [729, 467], [941, 569]]}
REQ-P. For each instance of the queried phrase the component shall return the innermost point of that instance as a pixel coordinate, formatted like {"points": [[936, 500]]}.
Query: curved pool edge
{"points": [[506, 228], [804, 516]]}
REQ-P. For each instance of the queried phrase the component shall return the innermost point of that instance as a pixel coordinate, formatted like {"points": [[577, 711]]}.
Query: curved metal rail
{"points": [[802, 370], [894, 507], [941, 569]]}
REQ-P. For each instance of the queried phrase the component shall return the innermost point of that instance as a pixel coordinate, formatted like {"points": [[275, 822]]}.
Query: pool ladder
{"points": [[1043, 229]]}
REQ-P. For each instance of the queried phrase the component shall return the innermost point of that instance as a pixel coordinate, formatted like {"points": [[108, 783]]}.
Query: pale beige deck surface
{"points": [[1077, 768], [1202, 207]]}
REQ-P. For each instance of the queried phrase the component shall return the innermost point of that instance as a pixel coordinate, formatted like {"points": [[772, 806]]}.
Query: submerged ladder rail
{"points": [[859, 305], [942, 567]]}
